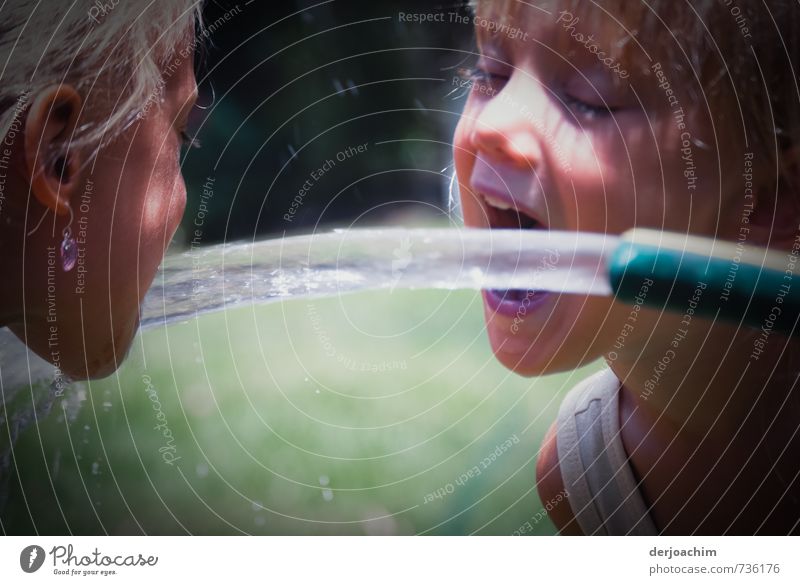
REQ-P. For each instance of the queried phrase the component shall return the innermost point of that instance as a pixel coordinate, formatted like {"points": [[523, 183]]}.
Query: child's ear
{"points": [[49, 126], [776, 212]]}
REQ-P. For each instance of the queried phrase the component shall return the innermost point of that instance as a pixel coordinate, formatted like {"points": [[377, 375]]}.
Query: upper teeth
{"points": [[498, 203]]}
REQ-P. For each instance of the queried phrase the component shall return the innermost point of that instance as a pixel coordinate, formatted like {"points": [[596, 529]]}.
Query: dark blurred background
{"points": [[287, 86]]}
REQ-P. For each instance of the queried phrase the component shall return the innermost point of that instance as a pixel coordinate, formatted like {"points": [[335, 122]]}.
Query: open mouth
{"points": [[504, 214]]}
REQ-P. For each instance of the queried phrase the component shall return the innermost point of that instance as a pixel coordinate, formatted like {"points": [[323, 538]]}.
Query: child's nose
{"points": [[507, 130]]}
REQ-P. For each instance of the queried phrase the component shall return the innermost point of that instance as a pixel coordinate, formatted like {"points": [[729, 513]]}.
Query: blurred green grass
{"points": [[330, 416]]}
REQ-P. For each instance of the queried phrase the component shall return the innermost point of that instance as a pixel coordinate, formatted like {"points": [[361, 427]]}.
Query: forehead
{"points": [[561, 26]]}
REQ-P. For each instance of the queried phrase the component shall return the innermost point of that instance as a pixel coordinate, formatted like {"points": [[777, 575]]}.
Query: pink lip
{"points": [[509, 304], [505, 184]]}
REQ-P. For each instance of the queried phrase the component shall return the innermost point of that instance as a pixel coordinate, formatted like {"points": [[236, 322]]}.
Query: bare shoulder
{"points": [[550, 486]]}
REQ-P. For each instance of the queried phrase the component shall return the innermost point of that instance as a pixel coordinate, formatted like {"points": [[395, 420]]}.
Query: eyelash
{"points": [[478, 75], [589, 111], [188, 141]]}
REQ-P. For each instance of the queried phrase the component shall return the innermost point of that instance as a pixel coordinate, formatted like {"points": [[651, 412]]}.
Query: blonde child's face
{"points": [[128, 206], [547, 132]]}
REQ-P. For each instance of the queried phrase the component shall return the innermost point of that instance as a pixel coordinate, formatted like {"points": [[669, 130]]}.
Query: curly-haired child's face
{"points": [[571, 140]]}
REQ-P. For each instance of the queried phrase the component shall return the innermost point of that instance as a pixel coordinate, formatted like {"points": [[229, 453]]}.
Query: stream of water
{"points": [[345, 261]]}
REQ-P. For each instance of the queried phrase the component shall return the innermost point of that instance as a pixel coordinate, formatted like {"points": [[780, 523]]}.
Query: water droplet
{"points": [[327, 495], [201, 469], [324, 480], [95, 468]]}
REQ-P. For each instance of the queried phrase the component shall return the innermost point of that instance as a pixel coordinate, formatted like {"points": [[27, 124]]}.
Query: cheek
{"points": [[615, 183], [163, 200], [148, 209], [463, 151]]}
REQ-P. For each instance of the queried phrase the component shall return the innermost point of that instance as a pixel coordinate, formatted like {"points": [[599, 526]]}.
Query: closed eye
{"points": [[587, 110], [483, 80]]}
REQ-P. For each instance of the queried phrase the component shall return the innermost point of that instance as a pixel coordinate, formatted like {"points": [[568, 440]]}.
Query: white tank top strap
{"points": [[601, 488]]}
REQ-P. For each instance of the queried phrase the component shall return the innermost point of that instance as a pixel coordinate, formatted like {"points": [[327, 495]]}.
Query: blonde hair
{"points": [[734, 53], [94, 46]]}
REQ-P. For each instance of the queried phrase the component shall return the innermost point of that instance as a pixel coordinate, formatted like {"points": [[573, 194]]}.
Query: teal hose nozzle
{"points": [[708, 278]]}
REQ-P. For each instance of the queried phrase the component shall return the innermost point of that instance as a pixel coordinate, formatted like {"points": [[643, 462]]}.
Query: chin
{"points": [[108, 358], [533, 363], [536, 353], [104, 355]]}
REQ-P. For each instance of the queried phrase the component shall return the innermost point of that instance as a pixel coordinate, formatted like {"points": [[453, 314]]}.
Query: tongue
{"points": [[510, 219]]}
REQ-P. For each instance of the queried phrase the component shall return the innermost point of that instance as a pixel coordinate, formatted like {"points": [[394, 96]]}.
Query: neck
{"points": [[707, 425], [702, 377]]}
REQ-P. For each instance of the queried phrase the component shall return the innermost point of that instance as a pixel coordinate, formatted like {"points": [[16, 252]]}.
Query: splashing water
{"points": [[345, 261]]}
